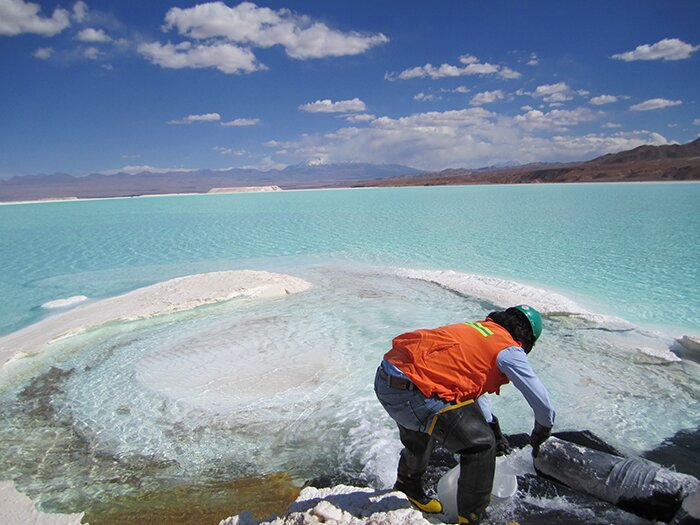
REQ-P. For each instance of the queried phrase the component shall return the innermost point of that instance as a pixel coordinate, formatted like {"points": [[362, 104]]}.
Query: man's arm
{"points": [[513, 362]]}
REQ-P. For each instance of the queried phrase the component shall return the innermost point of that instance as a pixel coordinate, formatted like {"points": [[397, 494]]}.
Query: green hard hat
{"points": [[534, 317]]}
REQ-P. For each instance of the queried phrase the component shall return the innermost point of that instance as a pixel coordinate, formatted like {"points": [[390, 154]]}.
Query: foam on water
{"points": [[285, 384]]}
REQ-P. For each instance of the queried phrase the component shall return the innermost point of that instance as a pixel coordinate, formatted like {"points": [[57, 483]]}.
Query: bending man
{"points": [[431, 383]]}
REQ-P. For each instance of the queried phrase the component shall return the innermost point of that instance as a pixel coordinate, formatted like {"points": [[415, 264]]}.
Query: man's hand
{"points": [[539, 435], [502, 446]]}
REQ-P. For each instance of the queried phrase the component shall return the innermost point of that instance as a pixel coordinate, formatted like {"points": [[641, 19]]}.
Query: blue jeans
{"points": [[409, 408]]}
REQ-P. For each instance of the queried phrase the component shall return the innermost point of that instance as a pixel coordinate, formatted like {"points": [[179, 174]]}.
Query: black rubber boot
{"points": [[463, 430], [476, 473]]}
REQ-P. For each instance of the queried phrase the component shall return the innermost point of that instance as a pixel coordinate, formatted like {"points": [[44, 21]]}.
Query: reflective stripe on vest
{"points": [[480, 328]]}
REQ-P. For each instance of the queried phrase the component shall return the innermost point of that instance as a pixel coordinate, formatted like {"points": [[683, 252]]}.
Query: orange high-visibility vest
{"points": [[455, 362]]}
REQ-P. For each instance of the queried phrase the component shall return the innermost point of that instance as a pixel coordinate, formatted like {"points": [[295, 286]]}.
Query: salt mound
{"points": [[504, 293], [342, 505], [62, 303], [182, 293]]}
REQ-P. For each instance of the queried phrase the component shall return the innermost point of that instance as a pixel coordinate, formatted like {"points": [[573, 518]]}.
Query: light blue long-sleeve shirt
{"points": [[513, 362]]}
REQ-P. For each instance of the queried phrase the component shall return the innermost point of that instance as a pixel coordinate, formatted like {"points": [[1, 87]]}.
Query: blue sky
{"points": [[106, 86]]}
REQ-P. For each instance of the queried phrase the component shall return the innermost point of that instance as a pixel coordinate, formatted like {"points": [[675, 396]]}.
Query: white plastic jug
{"points": [[505, 485]]}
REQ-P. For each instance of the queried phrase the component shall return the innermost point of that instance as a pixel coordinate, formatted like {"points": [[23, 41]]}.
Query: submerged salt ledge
{"points": [[503, 293], [182, 293]]}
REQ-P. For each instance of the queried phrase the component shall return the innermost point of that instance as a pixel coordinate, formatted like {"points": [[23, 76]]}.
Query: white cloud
{"points": [[655, 103], [250, 25], [603, 144], [462, 89], [80, 10], [227, 58], [239, 122], [696, 122], [603, 99], [18, 16], [230, 151], [93, 35], [556, 119], [534, 60], [559, 92], [44, 53], [470, 138], [611, 125], [189, 119], [362, 117], [92, 53], [508, 73], [145, 168], [471, 66], [666, 49], [328, 106], [487, 97], [423, 97]]}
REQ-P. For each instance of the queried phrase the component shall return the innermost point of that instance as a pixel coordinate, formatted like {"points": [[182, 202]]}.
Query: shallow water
{"points": [[259, 387], [256, 388]]}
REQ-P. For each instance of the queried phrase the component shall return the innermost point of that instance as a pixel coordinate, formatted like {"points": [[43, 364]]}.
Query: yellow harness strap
{"points": [[446, 409]]}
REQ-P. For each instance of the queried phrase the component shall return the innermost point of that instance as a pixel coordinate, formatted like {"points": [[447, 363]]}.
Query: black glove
{"points": [[502, 446], [539, 435]]}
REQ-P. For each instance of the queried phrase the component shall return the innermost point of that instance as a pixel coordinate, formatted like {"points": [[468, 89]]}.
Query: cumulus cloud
{"points": [[470, 66], [696, 122], [487, 97], [80, 11], [241, 122], [557, 119], [225, 36], [91, 53], [611, 125], [534, 60], [603, 99], [655, 103], [471, 138], [559, 92], [227, 58], [362, 117], [93, 35], [424, 97], [189, 119], [249, 24], [18, 16], [44, 53], [328, 106], [666, 49]]}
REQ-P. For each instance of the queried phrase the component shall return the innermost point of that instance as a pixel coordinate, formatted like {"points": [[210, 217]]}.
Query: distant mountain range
{"points": [[309, 175], [645, 163]]}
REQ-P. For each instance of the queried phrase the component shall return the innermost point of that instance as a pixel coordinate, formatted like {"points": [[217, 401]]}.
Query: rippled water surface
{"points": [[279, 390]]}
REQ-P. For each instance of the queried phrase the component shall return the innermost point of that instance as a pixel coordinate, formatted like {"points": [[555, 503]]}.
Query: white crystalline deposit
{"points": [[504, 293], [62, 303], [343, 505], [182, 293], [17, 509]]}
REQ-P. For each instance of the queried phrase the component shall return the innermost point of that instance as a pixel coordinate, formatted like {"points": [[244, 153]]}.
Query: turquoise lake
{"points": [[615, 267], [631, 250]]}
